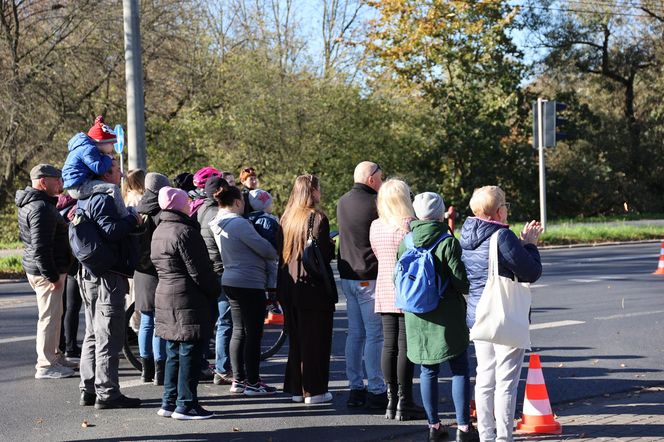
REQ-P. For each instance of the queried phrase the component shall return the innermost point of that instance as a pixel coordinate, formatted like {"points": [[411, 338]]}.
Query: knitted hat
{"points": [[155, 181], [100, 132], [246, 173], [259, 199], [184, 181], [171, 198], [429, 206], [202, 175], [213, 184]]}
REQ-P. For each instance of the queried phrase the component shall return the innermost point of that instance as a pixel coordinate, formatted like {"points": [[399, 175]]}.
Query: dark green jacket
{"points": [[441, 334]]}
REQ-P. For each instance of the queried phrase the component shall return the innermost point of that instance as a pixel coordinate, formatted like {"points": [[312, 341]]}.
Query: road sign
{"points": [[119, 135]]}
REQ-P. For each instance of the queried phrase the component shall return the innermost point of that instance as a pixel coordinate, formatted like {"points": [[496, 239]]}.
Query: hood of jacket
{"points": [[427, 232], [476, 230], [78, 140], [223, 218], [30, 194], [175, 216], [149, 203]]}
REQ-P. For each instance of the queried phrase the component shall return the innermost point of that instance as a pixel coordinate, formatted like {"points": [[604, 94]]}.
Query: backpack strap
{"points": [[408, 241]]}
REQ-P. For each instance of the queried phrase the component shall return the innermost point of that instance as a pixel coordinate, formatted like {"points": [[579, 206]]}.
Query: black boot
{"points": [[147, 371], [407, 409], [392, 398], [159, 372]]}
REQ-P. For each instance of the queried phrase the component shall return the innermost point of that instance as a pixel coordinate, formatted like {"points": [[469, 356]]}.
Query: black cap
{"points": [[185, 181], [213, 184], [45, 170]]}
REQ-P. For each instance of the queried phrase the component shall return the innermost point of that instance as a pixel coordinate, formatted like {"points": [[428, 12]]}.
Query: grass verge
{"points": [[566, 234], [11, 268]]}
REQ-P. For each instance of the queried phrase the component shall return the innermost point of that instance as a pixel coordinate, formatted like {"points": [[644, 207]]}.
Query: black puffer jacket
{"points": [[205, 214], [188, 287], [145, 276], [44, 234]]}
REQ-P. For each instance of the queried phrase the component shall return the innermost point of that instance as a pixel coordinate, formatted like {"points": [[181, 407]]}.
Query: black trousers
{"points": [[248, 314], [71, 302], [309, 349], [397, 369]]}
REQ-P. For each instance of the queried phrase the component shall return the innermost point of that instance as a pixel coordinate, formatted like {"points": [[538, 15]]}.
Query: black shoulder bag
{"points": [[314, 263]]}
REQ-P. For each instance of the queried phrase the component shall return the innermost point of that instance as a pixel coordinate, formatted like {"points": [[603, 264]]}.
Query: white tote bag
{"points": [[501, 316]]}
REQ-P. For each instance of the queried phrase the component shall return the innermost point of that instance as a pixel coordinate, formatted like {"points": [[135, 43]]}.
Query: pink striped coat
{"points": [[385, 241]]}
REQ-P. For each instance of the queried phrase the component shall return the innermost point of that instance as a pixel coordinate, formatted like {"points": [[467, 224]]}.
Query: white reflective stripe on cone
{"points": [[535, 376], [537, 407]]}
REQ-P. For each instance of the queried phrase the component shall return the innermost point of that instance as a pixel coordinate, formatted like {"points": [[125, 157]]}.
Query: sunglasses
{"points": [[249, 170], [376, 169]]}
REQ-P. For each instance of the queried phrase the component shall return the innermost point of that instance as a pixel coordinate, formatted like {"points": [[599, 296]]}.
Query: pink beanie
{"points": [[171, 198]]}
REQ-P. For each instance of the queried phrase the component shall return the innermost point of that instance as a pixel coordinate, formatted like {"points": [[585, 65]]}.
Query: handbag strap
{"points": [[310, 227], [493, 255]]}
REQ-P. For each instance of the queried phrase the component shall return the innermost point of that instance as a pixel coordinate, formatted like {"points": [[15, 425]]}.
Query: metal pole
{"points": [[542, 170], [134, 80]]}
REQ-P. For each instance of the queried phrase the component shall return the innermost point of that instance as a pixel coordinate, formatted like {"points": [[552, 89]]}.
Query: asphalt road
{"points": [[597, 324]]}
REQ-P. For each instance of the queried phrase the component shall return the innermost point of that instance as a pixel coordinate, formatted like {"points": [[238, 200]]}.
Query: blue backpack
{"points": [[419, 288]]}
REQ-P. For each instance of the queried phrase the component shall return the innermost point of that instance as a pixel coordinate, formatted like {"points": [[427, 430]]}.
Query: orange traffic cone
{"points": [[660, 266], [537, 415]]}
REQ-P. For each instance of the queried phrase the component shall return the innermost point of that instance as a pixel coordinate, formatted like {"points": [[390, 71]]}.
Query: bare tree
{"points": [[340, 30]]}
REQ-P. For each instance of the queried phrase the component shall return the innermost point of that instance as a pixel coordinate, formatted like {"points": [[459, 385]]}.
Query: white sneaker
{"points": [[319, 398], [55, 371], [299, 399]]}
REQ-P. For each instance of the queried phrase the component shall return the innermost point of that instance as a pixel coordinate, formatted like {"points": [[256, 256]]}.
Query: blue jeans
{"points": [[460, 389], [223, 338], [181, 373], [365, 336], [149, 344]]}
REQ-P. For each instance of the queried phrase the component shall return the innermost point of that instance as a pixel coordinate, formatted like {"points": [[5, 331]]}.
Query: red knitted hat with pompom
{"points": [[100, 132]]}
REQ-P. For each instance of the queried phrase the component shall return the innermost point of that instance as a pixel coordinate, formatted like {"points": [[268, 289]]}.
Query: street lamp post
{"points": [[134, 80]]}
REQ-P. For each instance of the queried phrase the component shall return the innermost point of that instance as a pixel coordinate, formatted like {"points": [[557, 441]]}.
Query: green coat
{"points": [[441, 334]]}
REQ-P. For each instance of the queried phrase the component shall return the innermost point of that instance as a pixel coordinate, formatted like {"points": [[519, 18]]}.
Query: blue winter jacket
{"points": [[84, 161], [514, 258]]}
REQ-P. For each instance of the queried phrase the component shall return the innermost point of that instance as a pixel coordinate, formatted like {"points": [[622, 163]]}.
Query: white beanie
{"points": [[429, 206]]}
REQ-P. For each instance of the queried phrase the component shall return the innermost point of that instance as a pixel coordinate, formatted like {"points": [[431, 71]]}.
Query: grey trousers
{"points": [[104, 300]]}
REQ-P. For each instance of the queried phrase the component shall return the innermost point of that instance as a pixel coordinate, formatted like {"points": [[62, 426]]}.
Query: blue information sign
{"points": [[119, 134]]}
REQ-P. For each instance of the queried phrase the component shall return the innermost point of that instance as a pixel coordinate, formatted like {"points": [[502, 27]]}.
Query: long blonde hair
{"points": [[294, 222], [394, 204]]}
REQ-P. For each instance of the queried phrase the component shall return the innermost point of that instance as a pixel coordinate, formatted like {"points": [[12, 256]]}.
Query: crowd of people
{"points": [[201, 256]]}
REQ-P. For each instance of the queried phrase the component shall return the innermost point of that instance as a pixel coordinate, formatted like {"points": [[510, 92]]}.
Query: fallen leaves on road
{"points": [[39, 421], [595, 362], [623, 365], [561, 365], [85, 424], [236, 429]]}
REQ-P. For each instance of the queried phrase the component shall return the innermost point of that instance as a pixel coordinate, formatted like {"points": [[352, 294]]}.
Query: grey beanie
{"points": [[155, 181], [429, 206]]}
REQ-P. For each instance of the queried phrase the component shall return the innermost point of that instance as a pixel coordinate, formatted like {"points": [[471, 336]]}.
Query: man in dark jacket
{"points": [[46, 259], [358, 268], [104, 294], [223, 374]]}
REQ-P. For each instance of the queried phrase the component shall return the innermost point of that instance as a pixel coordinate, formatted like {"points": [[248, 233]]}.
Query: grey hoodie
{"points": [[245, 254]]}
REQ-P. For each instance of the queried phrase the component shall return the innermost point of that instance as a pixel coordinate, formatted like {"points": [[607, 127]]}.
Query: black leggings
{"points": [[71, 302], [248, 314], [394, 362]]}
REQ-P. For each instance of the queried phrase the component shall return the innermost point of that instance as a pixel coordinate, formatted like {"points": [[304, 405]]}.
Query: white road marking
{"points": [[629, 315], [538, 286], [17, 339], [555, 324], [584, 280]]}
